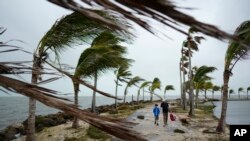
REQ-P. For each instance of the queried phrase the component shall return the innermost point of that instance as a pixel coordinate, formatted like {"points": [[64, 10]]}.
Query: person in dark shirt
{"points": [[165, 109]]}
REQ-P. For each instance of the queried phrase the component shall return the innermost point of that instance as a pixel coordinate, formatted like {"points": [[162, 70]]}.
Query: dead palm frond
{"points": [[165, 12], [45, 96]]}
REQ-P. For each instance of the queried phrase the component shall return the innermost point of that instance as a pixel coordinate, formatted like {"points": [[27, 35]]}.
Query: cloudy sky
{"points": [[29, 20]]}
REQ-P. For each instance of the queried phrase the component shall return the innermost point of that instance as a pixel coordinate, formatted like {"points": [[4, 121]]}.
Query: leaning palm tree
{"points": [[215, 88], [122, 75], [248, 89], [236, 51], [134, 81], [231, 91], [156, 84], [72, 29], [239, 91], [143, 85], [168, 87], [104, 54]]}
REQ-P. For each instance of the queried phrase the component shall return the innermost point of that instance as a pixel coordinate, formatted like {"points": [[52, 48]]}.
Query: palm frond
{"points": [[112, 126], [168, 87], [164, 12]]}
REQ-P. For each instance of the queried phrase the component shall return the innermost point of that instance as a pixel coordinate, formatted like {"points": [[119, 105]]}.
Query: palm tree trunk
{"points": [[205, 94], [191, 93], [94, 94], [221, 123], [151, 97], [182, 96], [213, 95], [138, 96], [116, 90], [143, 94], [239, 94], [75, 123], [184, 93], [32, 102], [196, 97]]}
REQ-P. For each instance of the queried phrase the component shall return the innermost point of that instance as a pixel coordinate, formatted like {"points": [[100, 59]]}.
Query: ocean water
{"points": [[238, 112], [15, 109]]}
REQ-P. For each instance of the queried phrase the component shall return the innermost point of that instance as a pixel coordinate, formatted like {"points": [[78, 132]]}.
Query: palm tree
{"points": [[200, 78], [207, 86], [168, 87], [236, 51], [123, 75], [192, 44], [134, 81], [183, 72], [215, 88], [231, 91], [240, 90], [248, 89], [156, 84], [105, 53], [143, 85], [72, 29]]}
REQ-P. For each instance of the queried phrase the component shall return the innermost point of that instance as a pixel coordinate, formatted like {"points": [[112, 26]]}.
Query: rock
{"points": [[140, 117], [11, 131]]}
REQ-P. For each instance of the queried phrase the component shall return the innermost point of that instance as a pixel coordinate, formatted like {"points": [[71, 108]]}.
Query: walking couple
{"points": [[165, 109]]}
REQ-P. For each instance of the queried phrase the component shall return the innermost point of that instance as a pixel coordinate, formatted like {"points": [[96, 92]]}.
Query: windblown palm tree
{"points": [[239, 91], [248, 89], [183, 72], [231, 91], [207, 86], [200, 78], [191, 44], [134, 81], [156, 84], [105, 53], [168, 87], [143, 85], [236, 51], [215, 88], [123, 75], [72, 29]]}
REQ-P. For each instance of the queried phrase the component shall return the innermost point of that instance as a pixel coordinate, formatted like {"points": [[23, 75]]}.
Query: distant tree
{"points": [[135, 80], [122, 75], [143, 85], [156, 84], [207, 86], [231, 91], [248, 89], [167, 88], [215, 88], [239, 91]]}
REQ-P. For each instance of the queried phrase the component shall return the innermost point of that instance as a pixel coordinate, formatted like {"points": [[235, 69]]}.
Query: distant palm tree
{"points": [[231, 91], [248, 89], [135, 80], [143, 85], [200, 78], [215, 88], [123, 75], [156, 84], [240, 90], [168, 87], [236, 51], [207, 86]]}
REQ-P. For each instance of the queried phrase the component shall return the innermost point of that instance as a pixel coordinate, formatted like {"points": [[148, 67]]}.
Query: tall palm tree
{"points": [[192, 44], [240, 90], [134, 81], [236, 51], [231, 91], [215, 88], [248, 89], [183, 73], [105, 53], [143, 85], [156, 84], [123, 75], [71, 29], [168, 87]]}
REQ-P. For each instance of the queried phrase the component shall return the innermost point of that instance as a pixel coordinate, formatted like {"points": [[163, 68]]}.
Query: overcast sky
{"points": [[29, 20]]}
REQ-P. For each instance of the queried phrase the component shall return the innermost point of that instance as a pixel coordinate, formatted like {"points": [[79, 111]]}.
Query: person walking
{"points": [[156, 112], [165, 109]]}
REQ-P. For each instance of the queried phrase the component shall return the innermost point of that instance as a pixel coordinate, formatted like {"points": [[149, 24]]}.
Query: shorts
{"points": [[156, 117]]}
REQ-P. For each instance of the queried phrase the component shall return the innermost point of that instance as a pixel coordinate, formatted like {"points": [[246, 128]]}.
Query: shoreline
{"points": [[200, 127]]}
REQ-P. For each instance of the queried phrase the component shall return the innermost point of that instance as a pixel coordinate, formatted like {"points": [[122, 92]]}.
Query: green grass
{"points": [[95, 133]]}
